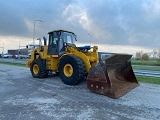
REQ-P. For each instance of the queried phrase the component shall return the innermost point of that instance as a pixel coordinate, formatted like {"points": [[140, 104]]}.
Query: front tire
{"points": [[71, 70], [38, 69]]}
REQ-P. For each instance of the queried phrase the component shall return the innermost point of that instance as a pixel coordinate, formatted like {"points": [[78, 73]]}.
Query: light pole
{"points": [[34, 29], [90, 38], [19, 46], [2, 49], [3, 46]]}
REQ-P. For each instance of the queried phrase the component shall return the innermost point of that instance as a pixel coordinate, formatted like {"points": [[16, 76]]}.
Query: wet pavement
{"points": [[23, 97]]}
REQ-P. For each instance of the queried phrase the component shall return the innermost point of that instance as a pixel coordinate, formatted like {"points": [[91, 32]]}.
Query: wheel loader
{"points": [[113, 76]]}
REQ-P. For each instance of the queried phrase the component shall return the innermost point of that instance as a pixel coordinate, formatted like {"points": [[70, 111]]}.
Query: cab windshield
{"points": [[68, 37]]}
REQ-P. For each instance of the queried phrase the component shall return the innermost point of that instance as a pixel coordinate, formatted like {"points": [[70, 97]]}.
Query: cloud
{"points": [[109, 22], [120, 48], [78, 16], [13, 42], [152, 8], [29, 25]]}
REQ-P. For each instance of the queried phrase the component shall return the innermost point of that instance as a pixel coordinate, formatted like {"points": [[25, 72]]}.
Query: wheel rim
{"points": [[68, 70], [35, 69]]}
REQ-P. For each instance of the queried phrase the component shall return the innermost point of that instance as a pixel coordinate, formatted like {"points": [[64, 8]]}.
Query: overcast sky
{"points": [[133, 23]]}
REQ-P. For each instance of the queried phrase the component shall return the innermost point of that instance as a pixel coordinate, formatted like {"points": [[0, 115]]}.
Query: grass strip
{"points": [[10, 63], [142, 62], [146, 68], [147, 79]]}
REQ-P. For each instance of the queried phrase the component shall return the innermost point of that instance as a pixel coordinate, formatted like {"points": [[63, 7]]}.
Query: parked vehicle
{"points": [[25, 56], [22, 56], [6, 56]]}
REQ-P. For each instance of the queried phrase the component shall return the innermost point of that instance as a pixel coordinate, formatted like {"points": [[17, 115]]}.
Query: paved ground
{"points": [[24, 98]]}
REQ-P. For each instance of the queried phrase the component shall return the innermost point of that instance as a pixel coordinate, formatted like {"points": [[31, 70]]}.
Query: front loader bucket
{"points": [[114, 77]]}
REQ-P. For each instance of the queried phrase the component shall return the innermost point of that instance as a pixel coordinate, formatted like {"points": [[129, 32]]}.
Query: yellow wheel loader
{"points": [[112, 77]]}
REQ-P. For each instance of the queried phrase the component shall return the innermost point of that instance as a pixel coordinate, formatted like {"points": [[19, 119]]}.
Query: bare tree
{"points": [[139, 55], [159, 53], [158, 60], [154, 53]]}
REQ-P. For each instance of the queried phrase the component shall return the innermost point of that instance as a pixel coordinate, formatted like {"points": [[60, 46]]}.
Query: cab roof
{"points": [[60, 30]]}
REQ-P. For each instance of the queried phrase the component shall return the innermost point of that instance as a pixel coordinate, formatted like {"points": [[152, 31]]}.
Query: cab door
{"points": [[53, 48]]}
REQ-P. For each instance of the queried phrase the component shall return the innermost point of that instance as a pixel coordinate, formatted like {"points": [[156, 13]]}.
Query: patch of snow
{"points": [[85, 115], [43, 100], [19, 100], [146, 95]]}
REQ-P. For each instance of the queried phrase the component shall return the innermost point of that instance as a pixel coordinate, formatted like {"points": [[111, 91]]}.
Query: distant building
{"points": [[23, 51]]}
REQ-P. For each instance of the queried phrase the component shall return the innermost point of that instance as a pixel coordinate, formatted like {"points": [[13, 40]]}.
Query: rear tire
{"points": [[71, 70], [38, 69]]}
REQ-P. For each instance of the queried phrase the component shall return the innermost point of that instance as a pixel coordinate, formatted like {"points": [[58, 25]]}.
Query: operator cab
{"points": [[58, 40]]}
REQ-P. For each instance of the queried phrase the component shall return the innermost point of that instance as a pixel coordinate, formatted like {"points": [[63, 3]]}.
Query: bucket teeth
{"points": [[114, 78]]}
